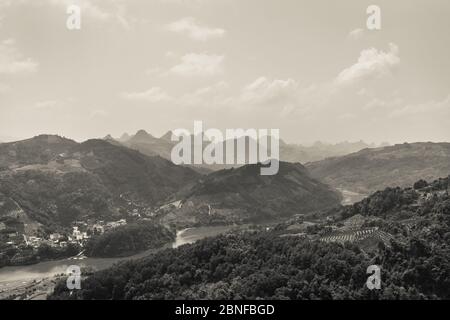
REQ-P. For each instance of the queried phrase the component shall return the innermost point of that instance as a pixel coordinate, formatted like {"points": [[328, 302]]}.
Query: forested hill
{"points": [[242, 195], [284, 263], [55, 181], [370, 170]]}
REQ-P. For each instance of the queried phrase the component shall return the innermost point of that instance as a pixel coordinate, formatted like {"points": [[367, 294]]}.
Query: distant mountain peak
{"points": [[124, 137], [167, 136], [108, 137], [49, 139], [142, 134]]}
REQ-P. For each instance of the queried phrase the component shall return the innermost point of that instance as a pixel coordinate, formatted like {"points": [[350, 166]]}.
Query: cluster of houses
{"points": [[81, 231]]}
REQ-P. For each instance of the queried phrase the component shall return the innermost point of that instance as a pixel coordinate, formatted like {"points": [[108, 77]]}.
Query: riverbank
{"points": [[28, 289], [22, 280]]}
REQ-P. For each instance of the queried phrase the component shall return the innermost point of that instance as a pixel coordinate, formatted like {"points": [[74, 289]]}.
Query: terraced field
{"points": [[358, 236]]}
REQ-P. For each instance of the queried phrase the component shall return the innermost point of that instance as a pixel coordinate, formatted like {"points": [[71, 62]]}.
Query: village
{"points": [[19, 248], [80, 232]]}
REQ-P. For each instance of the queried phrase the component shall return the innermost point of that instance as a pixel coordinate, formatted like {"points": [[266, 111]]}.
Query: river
{"points": [[350, 197], [51, 268]]}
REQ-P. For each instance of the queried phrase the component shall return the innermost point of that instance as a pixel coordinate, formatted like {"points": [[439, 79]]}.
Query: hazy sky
{"points": [[309, 68]]}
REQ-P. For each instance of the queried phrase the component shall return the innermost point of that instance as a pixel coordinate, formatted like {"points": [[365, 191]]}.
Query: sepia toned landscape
{"points": [[347, 104]]}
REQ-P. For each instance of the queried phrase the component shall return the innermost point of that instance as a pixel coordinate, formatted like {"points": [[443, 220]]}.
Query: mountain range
{"points": [[51, 181], [54, 180], [162, 146]]}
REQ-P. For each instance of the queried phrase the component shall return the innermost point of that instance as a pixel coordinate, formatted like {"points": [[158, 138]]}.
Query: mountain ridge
{"points": [[369, 170]]}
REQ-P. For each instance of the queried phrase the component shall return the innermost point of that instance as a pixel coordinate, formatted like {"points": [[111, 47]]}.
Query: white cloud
{"points": [[210, 96], [155, 94], [13, 62], [53, 105], [286, 96], [265, 91], [199, 64], [190, 27], [356, 34], [97, 113], [429, 107], [371, 63], [380, 104], [100, 10]]}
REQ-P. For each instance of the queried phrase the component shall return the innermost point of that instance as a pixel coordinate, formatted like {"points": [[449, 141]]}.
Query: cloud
{"points": [[98, 113], [53, 105], [265, 91], [429, 107], [371, 63], [286, 97], [381, 104], [100, 10], [211, 96], [190, 27], [199, 64], [13, 62], [155, 94], [356, 34], [106, 11]]}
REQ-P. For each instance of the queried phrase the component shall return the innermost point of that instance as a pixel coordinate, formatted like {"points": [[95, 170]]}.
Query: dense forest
{"points": [[262, 264], [10, 256], [129, 239]]}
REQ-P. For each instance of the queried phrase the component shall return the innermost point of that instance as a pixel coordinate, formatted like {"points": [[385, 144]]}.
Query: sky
{"points": [[309, 68]]}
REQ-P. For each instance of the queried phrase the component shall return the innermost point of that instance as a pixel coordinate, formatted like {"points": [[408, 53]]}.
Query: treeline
{"points": [[12, 256], [57, 200], [129, 239], [392, 200], [262, 265]]}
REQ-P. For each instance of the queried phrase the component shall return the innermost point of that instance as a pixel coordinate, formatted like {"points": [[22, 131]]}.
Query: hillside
{"points": [[53, 181], [242, 195], [129, 239], [374, 169], [404, 231]]}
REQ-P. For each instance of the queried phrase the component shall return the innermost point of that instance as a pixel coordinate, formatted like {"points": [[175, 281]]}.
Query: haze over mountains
{"points": [[54, 180], [50, 180], [162, 146], [369, 170]]}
